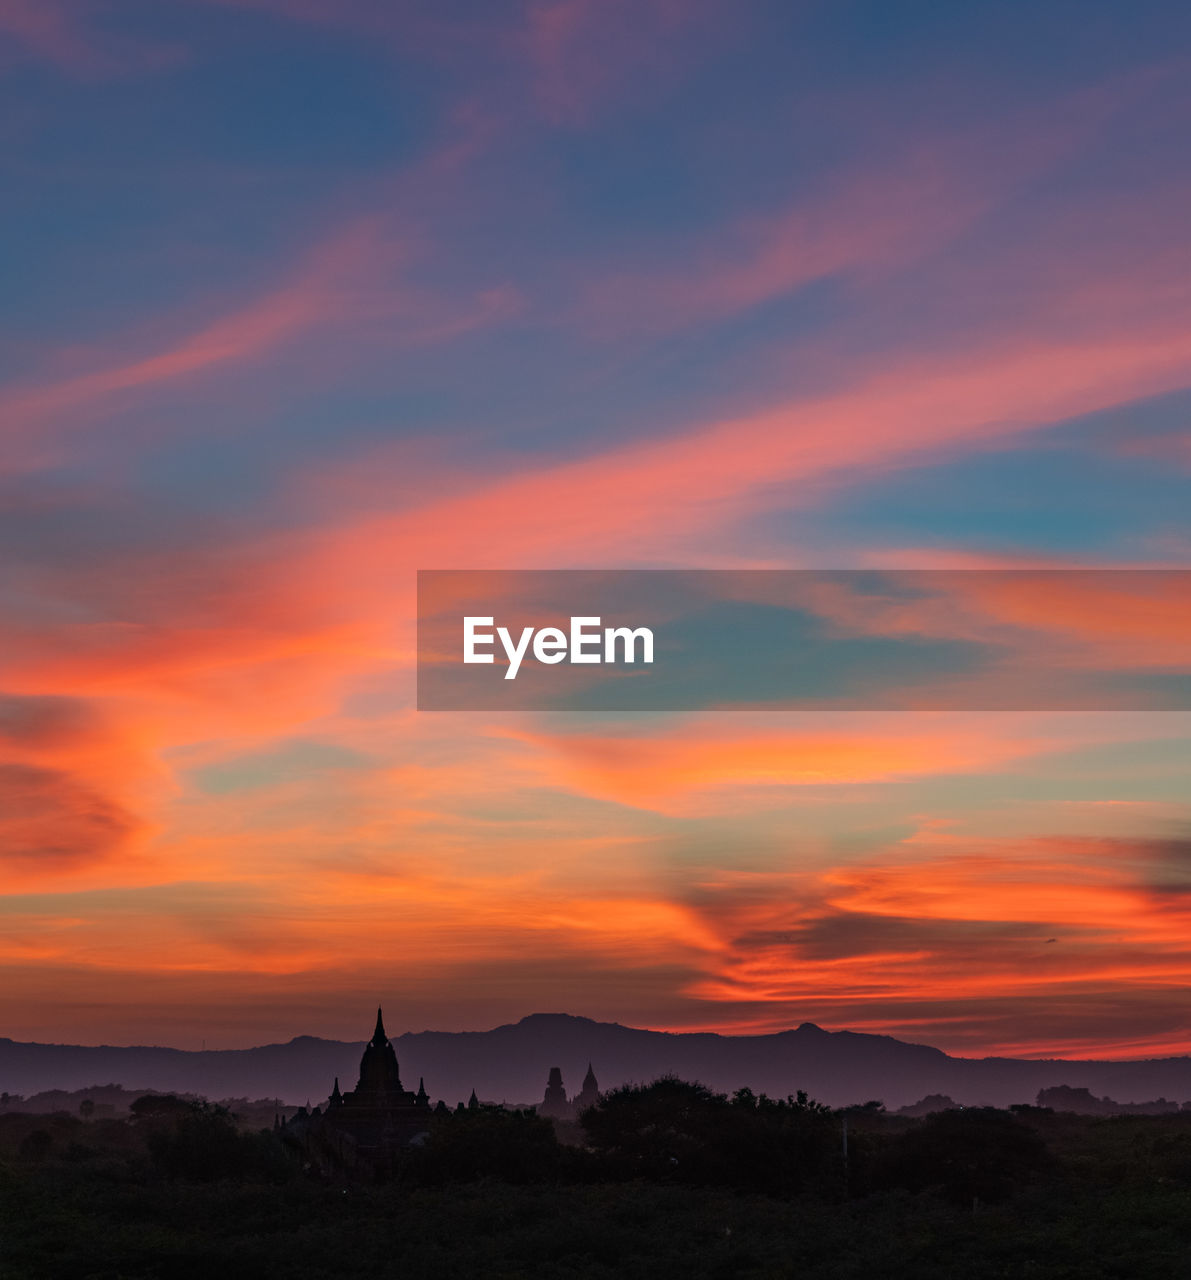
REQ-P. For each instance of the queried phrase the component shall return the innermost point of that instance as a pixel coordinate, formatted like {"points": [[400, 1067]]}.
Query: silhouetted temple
{"points": [[589, 1095], [555, 1102], [379, 1111], [557, 1106], [369, 1125]]}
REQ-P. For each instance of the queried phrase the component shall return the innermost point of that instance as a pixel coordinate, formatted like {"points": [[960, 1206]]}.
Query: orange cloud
{"points": [[948, 929], [1125, 618], [708, 765], [51, 822], [1096, 618]]}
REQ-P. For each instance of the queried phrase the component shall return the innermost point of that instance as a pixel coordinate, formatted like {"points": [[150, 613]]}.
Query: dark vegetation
{"points": [[665, 1180]]}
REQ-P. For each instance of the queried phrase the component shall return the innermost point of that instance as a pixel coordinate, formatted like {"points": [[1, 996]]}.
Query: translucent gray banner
{"points": [[916, 639]]}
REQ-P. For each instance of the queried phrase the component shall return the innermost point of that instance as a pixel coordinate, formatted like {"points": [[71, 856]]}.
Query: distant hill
{"points": [[510, 1063]]}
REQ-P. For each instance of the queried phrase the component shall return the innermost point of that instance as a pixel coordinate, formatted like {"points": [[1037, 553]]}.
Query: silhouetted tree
{"points": [[660, 1130], [677, 1131], [200, 1142], [974, 1154], [487, 1142], [156, 1105], [35, 1145]]}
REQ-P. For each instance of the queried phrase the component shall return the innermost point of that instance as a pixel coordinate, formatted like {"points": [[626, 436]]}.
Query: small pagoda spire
{"points": [[423, 1096], [589, 1080], [336, 1096], [473, 1103]]}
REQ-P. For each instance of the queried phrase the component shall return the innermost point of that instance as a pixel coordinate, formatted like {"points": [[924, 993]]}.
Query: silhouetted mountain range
{"points": [[510, 1063]]}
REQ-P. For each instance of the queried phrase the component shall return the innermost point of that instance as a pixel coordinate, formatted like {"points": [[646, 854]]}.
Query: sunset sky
{"points": [[302, 296]]}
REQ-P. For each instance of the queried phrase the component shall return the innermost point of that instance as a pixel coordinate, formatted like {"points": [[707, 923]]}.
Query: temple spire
{"points": [[378, 1036]]}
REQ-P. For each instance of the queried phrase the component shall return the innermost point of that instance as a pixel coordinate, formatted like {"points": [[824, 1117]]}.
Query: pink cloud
{"points": [[670, 499], [1173, 446], [59, 32], [584, 53], [348, 285], [869, 220]]}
